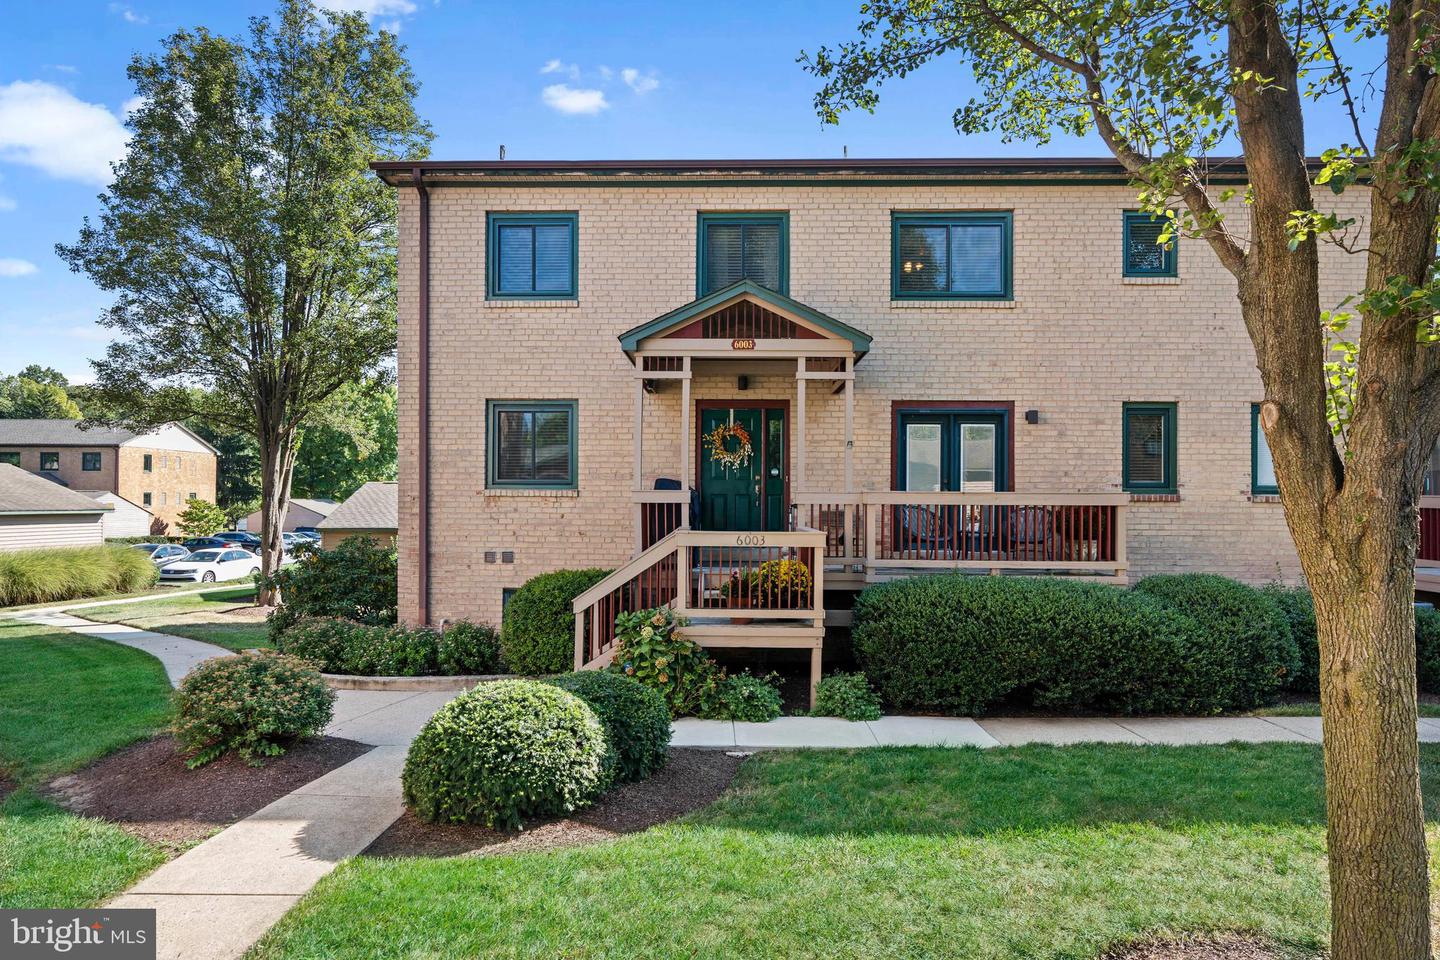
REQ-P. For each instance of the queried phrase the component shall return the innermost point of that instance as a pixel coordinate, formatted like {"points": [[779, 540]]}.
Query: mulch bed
{"points": [[691, 779], [1218, 946], [147, 791]]}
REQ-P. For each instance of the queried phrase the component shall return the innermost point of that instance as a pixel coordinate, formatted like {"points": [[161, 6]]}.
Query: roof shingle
{"points": [[372, 507], [23, 492]]}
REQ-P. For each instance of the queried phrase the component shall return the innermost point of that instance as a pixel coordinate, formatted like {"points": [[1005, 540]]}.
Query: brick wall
{"points": [[1077, 342], [71, 465], [173, 476]]}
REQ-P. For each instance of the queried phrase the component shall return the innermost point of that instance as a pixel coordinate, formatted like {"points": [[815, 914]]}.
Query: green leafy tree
{"points": [[250, 250], [201, 518], [48, 375], [22, 397], [237, 477], [1163, 84], [353, 441]]}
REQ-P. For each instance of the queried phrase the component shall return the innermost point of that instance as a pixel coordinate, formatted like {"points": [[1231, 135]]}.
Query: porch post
{"points": [[639, 508], [687, 481], [800, 484], [850, 429]]}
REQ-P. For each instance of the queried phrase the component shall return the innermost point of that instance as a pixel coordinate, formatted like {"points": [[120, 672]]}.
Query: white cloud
{"points": [[12, 267], [64, 68], [371, 8], [567, 99], [560, 66], [45, 126], [605, 72], [128, 14], [641, 83]]}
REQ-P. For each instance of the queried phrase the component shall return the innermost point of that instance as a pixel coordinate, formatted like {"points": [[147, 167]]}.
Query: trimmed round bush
{"points": [[848, 696], [506, 752], [636, 720], [538, 631], [1248, 654], [469, 648], [746, 698], [254, 703], [1298, 609], [957, 643]]}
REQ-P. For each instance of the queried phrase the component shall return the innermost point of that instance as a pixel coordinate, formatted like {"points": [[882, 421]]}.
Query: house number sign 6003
{"points": [[750, 540], [742, 343]]}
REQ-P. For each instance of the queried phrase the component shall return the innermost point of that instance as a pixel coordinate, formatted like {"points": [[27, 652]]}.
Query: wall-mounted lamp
{"points": [[1032, 416], [743, 383]]}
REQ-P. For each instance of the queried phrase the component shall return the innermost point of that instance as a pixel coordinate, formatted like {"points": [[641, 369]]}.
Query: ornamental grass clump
{"points": [[650, 648], [504, 753], [256, 704], [54, 574]]}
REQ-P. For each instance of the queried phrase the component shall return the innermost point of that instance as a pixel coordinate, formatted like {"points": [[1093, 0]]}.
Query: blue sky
{"points": [[547, 79]]}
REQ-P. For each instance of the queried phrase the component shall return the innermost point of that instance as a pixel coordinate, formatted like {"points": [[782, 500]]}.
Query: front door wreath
{"points": [[717, 445]]}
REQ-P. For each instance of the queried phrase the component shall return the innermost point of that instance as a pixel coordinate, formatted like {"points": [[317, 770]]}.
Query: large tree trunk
{"points": [[277, 466]]}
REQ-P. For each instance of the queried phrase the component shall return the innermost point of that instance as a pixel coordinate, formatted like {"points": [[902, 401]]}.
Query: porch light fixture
{"points": [[743, 383], [1032, 416]]}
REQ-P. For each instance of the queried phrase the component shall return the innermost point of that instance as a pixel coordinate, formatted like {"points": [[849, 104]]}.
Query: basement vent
{"points": [[507, 556], [489, 556]]}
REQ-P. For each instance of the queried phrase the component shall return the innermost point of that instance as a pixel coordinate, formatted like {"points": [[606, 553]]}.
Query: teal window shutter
{"points": [[532, 256], [1144, 255], [743, 246], [951, 256]]}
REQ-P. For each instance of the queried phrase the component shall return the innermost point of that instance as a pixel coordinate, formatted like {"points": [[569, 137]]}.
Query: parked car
{"points": [[208, 566], [240, 538], [204, 543], [294, 538], [163, 553]]}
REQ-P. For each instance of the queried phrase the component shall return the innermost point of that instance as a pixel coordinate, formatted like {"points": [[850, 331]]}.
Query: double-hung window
{"points": [[743, 246], [951, 256], [532, 256], [1145, 255], [90, 461], [1149, 450], [531, 444], [50, 461], [1262, 465]]}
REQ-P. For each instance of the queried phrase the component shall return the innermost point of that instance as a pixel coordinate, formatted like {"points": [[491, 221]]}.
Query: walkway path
{"points": [[219, 897]]}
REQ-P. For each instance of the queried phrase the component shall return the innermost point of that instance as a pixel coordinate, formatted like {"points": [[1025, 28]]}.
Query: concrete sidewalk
{"points": [[178, 654]]}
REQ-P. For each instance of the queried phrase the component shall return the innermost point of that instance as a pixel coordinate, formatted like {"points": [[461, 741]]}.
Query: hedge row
{"points": [[65, 573], [369, 650]]}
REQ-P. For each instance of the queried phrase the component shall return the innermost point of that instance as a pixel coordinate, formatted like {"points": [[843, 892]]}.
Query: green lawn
{"points": [[1023, 853], [199, 616], [66, 699], [158, 590]]}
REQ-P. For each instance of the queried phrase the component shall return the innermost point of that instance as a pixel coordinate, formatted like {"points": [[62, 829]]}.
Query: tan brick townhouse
{"points": [[161, 470], [938, 364]]}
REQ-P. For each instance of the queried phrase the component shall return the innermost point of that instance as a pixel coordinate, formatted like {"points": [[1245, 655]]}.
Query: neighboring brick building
{"points": [[1009, 326], [160, 471]]}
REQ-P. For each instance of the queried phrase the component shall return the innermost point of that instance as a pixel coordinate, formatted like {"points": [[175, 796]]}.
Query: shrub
{"points": [[64, 573], [254, 703], [469, 648], [537, 634], [636, 721], [848, 696], [650, 649], [1299, 609], [324, 641], [201, 518], [356, 580], [393, 652], [746, 698], [960, 643], [1248, 654], [505, 752]]}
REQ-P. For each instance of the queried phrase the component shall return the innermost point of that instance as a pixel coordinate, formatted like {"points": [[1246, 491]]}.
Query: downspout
{"points": [[422, 383]]}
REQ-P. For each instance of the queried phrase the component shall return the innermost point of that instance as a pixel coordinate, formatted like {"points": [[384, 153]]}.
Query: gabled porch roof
{"points": [[816, 325]]}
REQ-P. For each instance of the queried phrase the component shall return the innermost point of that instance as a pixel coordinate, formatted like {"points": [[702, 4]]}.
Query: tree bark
{"points": [[277, 466]]}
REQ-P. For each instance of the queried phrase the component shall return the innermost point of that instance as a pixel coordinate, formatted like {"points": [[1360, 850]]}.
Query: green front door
{"points": [[749, 496]]}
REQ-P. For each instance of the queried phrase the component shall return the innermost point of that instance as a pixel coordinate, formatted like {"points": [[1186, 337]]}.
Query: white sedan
{"points": [[208, 566]]}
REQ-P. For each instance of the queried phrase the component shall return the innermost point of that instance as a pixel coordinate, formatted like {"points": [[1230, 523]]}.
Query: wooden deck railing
{"points": [[658, 513], [714, 575], [1429, 528]]}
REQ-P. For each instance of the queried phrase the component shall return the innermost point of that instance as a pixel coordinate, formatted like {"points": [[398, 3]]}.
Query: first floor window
{"points": [[1149, 449], [146, 499], [744, 246], [1432, 473], [1144, 255], [959, 450], [192, 496], [531, 444], [50, 461], [162, 498], [953, 256], [11, 457], [532, 256], [90, 461], [1262, 465]]}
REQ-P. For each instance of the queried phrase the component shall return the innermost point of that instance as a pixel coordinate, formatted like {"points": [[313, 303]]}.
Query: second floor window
{"points": [[1145, 256], [743, 246], [951, 256], [50, 461], [531, 444], [532, 256], [149, 462], [90, 461]]}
